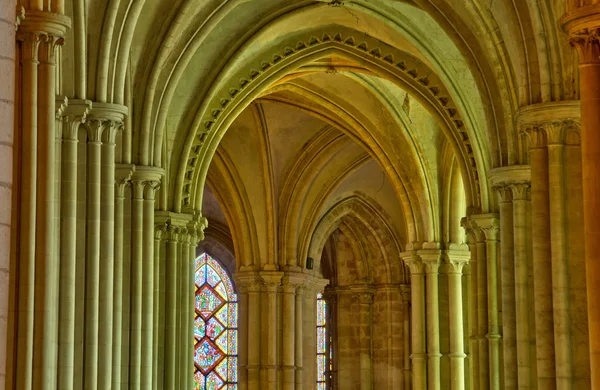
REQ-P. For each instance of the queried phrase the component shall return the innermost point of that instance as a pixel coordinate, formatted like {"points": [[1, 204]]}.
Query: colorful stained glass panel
{"points": [[232, 341], [321, 368], [207, 301], [321, 340], [215, 327]]}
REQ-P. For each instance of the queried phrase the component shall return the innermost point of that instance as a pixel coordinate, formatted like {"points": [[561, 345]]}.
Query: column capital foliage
{"points": [[550, 123], [248, 281], [149, 178], [457, 257], [520, 191], [182, 227], [485, 226], [431, 258], [292, 280], [123, 174], [413, 261], [271, 280], [73, 113], [587, 43], [109, 118]]}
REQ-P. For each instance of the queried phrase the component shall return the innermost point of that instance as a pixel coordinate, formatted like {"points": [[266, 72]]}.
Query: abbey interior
{"points": [[299, 194]]}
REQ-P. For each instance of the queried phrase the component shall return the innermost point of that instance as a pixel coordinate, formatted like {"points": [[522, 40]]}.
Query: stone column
{"points": [[29, 43], [418, 350], [473, 304], [520, 194], [7, 109], [456, 258], [123, 179], [491, 240], [431, 258], [176, 332], [268, 371], [152, 178], [405, 294], [507, 261], [158, 296], [252, 283], [113, 117], [555, 132], [92, 267], [486, 228], [582, 24], [298, 336], [242, 335], [363, 296], [512, 183], [196, 233], [74, 115], [172, 261], [551, 127], [291, 280]]}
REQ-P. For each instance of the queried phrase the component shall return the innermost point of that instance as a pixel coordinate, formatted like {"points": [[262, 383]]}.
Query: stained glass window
{"points": [[215, 330], [322, 357]]}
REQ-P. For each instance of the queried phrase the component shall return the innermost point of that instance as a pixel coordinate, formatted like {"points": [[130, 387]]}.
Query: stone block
{"points": [[6, 157], [7, 30], [6, 122], [5, 206], [7, 79], [4, 247]]}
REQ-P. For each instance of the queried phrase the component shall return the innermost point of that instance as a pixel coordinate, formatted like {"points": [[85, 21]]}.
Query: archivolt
{"points": [[227, 103], [371, 218]]}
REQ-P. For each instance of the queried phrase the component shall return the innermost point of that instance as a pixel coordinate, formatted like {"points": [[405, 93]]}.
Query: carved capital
{"points": [[160, 231], [292, 280], [123, 173], [271, 280], [250, 281], [486, 226], [150, 178], [456, 258], [112, 117], [47, 48], [95, 128], [73, 113], [30, 43], [587, 43], [550, 123], [431, 258], [521, 191], [413, 262]]}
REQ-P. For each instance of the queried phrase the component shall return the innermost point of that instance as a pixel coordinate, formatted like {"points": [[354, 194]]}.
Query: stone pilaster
{"points": [[363, 296], [418, 351], [456, 258], [74, 115], [486, 229], [251, 284], [512, 184], [431, 259], [290, 283], [268, 372], [122, 180], [405, 293], [554, 133]]}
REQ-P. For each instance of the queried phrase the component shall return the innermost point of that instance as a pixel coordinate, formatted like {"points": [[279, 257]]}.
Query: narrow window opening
{"points": [[215, 327]]}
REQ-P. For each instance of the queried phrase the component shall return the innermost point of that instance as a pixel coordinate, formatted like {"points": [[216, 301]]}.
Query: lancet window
{"points": [[215, 329], [324, 348]]}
